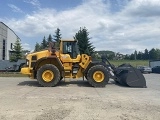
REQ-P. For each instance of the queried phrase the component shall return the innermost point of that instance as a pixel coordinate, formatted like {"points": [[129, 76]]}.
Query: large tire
{"points": [[48, 75], [61, 78], [85, 76], [98, 76]]}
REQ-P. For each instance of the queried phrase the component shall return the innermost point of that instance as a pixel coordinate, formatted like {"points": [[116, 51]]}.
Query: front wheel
{"points": [[97, 76], [48, 75]]}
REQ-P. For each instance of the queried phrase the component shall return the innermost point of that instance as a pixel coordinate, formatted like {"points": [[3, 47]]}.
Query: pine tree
{"points": [[152, 54], [37, 47], [85, 46], [17, 48], [57, 37], [132, 56], [49, 39], [140, 55], [146, 54], [157, 53], [44, 43]]}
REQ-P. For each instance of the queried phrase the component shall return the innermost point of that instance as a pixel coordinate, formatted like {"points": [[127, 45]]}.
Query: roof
{"points": [[154, 60], [11, 30]]}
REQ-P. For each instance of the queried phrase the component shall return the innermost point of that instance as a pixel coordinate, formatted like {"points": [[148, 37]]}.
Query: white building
{"points": [[154, 63], [7, 39]]}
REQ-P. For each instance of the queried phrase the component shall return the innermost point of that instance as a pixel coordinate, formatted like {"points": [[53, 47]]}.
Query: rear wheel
{"points": [[97, 76], [48, 75]]}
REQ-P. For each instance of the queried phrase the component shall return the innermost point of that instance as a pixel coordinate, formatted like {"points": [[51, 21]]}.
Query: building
{"points": [[7, 39], [154, 63], [119, 56]]}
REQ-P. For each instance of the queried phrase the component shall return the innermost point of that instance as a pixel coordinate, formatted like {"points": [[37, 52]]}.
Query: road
{"points": [[24, 99]]}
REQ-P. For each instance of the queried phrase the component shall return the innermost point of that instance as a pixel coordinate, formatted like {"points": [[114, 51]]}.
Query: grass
{"points": [[134, 63]]}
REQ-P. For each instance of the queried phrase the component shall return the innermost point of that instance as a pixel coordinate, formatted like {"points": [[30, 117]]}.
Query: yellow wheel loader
{"points": [[50, 66]]}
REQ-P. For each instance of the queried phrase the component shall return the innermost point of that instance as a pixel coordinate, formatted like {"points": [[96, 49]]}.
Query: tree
{"points": [[37, 47], [157, 53], [132, 57], [140, 55], [44, 43], [146, 55], [49, 39], [85, 46], [57, 37], [135, 55], [17, 51], [127, 57], [152, 53]]}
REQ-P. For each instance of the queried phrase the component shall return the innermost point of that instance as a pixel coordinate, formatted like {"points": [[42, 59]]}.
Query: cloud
{"points": [[15, 8], [33, 2], [143, 8], [26, 46], [134, 27]]}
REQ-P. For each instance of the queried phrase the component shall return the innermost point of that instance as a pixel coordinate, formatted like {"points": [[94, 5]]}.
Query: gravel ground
{"points": [[23, 99]]}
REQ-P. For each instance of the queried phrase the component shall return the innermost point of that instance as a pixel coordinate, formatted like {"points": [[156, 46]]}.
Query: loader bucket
{"points": [[127, 75]]}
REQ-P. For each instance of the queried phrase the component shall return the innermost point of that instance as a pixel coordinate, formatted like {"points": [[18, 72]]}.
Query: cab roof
{"points": [[69, 40]]}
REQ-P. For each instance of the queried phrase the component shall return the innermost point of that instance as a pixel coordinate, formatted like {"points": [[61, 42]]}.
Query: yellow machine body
{"points": [[62, 61], [50, 66]]}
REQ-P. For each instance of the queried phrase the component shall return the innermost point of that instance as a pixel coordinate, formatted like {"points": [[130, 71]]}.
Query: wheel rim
{"points": [[98, 76], [48, 76]]}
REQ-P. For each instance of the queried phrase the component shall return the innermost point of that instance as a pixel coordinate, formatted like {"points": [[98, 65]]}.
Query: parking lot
{"points": [[24, 99]]}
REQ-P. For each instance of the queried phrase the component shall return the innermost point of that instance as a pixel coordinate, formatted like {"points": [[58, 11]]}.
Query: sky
{"points": [[116, 25]]}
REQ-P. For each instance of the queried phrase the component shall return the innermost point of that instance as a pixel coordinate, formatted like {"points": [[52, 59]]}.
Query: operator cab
{"points": [[70, 47]]}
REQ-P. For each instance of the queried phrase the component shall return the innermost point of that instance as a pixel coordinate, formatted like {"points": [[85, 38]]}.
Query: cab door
{"points": [[69, 56], [70, 48], [70, 52]]}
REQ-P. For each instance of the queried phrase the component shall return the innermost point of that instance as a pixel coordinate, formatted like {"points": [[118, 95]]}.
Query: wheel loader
{"points": [[50, 66]]}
